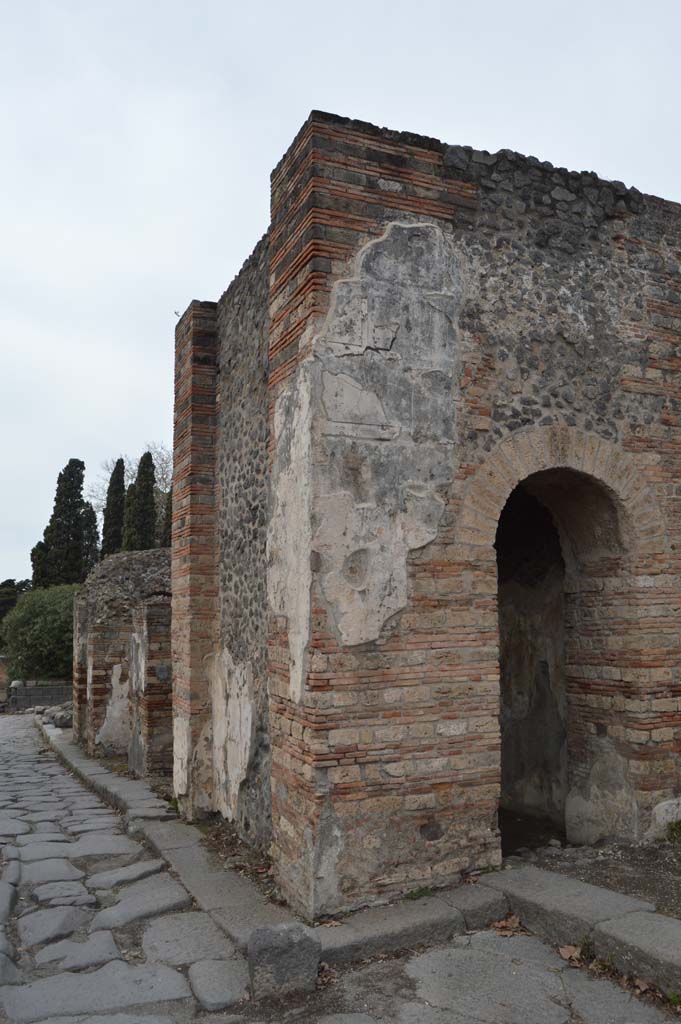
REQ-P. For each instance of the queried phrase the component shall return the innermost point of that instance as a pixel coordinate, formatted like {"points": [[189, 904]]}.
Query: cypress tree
{"points": [[114, 511], [90, 538], [69, 544], [164, 540], [145, 503], [129, 528]]}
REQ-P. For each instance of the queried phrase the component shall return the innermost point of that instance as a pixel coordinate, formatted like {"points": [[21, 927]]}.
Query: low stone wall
{"points": [[34, 696], [121, 682]]}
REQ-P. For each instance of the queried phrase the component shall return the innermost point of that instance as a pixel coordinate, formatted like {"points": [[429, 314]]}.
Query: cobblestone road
{"points": [[96, 931]]}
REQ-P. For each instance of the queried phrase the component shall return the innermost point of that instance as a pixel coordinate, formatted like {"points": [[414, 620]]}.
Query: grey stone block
{"points": [[648, 945], [88, 846], [219, 984], [9, 972], [11, 873], [112, 987], [121, 876], [156, 895], [55, 870], [599, 1001], [45, 925], [58, 890], [185, 939], [13, 826], [282, 960], [171, 835], [479, 905], [8, 897], [560, 909], [98, 948], [387, 929]]}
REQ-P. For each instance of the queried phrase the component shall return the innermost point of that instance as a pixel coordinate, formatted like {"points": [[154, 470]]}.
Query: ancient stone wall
{"points": [[444, 325], [221, 488], [122, 634]]}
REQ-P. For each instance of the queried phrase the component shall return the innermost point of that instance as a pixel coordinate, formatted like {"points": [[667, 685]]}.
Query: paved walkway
{"points": [[97, 931]]}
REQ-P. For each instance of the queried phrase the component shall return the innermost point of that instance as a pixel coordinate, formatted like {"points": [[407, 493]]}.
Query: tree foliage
{"points": [[165, 534], [140, 510], [69, 548], [114, 511], [37, 634], [162, 455], [10, 592]]}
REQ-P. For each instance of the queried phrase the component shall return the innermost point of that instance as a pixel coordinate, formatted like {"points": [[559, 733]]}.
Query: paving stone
{"points": [[520, 948], [6, 947], [219, 984], [9, 972], [98, 948], [13, 827], [159, 894], [86, 846], [44, 925], [116, 986], [387, 929], [8, 897], [599, 1001], [94, 826], [186, 938], [648, 945], [89, 900], [56, 890], [560, 909], [131, 873], [40, 837], [486, 988], [116, 1018], [55, 870], [283, 959]]}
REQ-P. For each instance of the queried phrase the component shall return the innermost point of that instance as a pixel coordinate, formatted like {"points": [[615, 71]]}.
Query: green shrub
{"points": [[37, 635]]}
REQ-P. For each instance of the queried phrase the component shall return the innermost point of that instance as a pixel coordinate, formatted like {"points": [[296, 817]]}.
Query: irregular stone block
{"points": [[112, 987], [55, 870], [57, 890], [8, 897], [219, 984], [98, 948], [185, 939], [648, 945], [9, 972], [596, 1000], [44, 925], [120, 876], [13, 827], [158, 895], [283, 959]]}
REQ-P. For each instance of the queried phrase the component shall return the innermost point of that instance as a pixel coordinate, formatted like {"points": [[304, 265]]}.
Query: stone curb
{"points": [[238, 908], [624, 930]]}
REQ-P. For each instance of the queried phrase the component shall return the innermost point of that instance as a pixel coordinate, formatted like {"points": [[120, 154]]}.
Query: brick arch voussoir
{"points": [[553, 447]]}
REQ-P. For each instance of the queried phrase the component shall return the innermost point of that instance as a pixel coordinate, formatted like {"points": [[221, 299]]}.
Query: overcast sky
{"points": [[136, 142]]}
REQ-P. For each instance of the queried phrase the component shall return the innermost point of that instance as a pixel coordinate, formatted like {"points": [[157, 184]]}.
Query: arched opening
{"points": [[558, 541]]}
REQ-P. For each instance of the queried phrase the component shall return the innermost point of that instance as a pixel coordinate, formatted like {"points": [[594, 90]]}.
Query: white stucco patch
{"points": [[114, 733], [289, 536], [233, 730]]}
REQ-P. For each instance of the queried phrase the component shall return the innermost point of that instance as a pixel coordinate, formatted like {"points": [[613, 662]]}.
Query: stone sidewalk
{"points": [[97, 930]]}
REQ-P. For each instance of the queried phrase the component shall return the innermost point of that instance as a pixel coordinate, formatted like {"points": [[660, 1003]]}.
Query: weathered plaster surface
{"points": [[290, 531], [385, 365], [114, 733], [233, 724], [364, 441]]}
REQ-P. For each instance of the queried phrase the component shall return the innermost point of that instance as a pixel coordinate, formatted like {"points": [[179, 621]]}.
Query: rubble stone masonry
{"points": [[423, 329]]}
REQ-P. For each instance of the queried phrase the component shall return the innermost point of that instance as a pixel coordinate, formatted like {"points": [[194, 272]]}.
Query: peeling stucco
{"points": [[114, 733], [233, 729], [362, 467]]}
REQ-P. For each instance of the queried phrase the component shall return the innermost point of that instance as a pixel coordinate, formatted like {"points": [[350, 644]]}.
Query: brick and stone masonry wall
{"points": [[219, 554], [445, 324], [122, 633]]}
